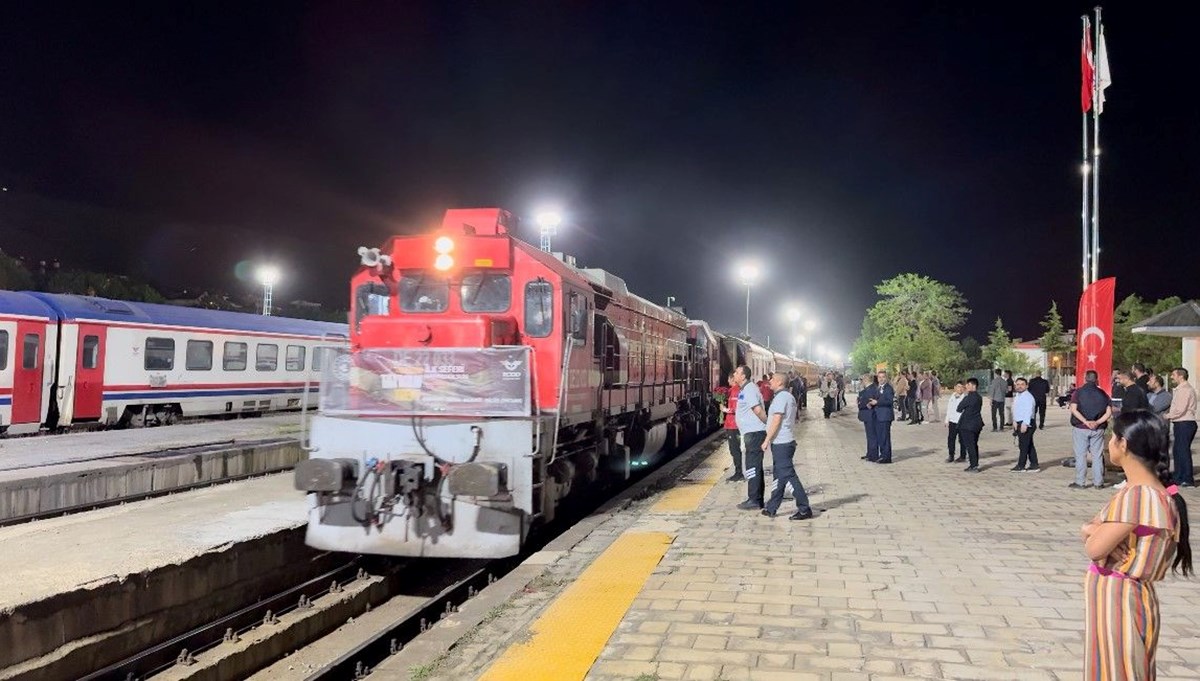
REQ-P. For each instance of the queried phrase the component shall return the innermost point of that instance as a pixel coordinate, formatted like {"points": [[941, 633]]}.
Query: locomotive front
{"points": [[428, 441]]}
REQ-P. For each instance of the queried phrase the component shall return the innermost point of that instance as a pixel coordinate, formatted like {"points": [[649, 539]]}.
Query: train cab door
{"points": [[27, 373], [89, 372]]}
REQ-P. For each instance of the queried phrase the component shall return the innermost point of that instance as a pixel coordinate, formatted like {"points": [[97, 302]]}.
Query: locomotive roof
{"points": [[104, 309], [13, 302]]}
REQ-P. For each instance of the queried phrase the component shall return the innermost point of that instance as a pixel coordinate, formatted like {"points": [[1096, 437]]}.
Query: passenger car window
{"points": [[266, 357], [199, 355], [235, 356], [318, 357], [29, 351], [294, 359], [485, 292], [3, 350], [160, 354], [424, 293], [91, 352], [539, 309]]}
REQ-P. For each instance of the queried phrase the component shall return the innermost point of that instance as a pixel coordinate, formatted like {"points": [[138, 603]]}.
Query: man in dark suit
{"points": [[970, 424], [1040, 389], [882, 401], [867, 415]]}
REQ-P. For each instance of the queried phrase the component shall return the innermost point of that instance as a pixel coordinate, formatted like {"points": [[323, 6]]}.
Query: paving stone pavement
{"points": [[911, 571]]}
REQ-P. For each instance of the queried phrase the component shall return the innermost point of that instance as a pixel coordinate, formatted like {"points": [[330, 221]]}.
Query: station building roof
{"points": [[1181, 321]]}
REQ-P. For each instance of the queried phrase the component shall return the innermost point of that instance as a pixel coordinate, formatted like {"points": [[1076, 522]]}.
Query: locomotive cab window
{"points": [[370, 298], [577, 318], [294, 359], [159, 354], [484, 292], [235, 356], [3, 350], [198, 355], [424, 293], [91, 352], [266, 357], [539, 309]]}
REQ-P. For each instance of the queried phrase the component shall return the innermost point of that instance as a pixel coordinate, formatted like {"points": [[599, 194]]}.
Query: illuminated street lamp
{"points": [[809, 326], [748, 273], [268, 275], [547, 220], [796, 343]]}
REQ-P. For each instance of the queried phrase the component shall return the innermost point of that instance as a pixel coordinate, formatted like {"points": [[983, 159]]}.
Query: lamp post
{"points": [[548, 220], [809, 326], [748, 273], [268, 275]]}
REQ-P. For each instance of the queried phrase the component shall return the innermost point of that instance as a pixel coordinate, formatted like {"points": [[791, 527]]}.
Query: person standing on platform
{"points": [[828, 391], [883, 402], [1091, 410], [781, 442], [1024, 413], [1159, 398], [925, 395], [996, 392], [1040, 389], [732, 436], [952, 417], [901, 394], [1008, 398], [803, 397], [751, 419], [840, 401], [937, 395], [1135, 397], [1142, 531], [1182, 416], [1140, 376], [970, 424], [866, 414], [764, 389]]}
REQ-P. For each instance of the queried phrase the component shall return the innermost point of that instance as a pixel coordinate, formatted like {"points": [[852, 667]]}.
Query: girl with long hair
{"points": [[1140, 533]]}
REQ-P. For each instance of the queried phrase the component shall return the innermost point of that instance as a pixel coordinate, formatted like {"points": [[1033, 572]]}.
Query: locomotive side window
{"points": [[483, 292], [198, 355], [370, 299], [266, 357], [91, 352], [420, 293], [160, 354], [539, 309], [3, 350], [235, 356], [578, 318], [294, 359]]}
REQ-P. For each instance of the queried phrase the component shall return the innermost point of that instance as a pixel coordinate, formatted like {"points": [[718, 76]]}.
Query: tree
{"points": [[1159, 353], [913, 324], [1053, 340], [103, 285], [14, 276], [973, 354], [998, 342]]}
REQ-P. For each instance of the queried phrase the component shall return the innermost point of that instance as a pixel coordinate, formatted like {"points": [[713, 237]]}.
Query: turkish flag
{"points": [[1093, 338], [1085, 63]]}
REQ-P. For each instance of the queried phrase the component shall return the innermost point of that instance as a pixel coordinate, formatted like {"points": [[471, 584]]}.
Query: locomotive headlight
{"points": [[443, 262], [443, 245]]}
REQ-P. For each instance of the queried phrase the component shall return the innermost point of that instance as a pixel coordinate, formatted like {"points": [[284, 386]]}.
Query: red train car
{"points": [[485, 381]]}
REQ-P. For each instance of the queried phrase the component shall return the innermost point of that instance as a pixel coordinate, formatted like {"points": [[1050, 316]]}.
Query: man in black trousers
{"points": [[881, 399], [1040, 389], [867, 415], [970, 424]]}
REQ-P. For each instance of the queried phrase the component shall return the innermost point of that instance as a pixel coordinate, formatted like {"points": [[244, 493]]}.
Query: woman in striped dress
{"points": [[1131, 543]]}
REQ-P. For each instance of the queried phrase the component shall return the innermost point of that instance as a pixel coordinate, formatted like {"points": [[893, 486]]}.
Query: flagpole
{"points": [[1096, 149], [1084, 172]]}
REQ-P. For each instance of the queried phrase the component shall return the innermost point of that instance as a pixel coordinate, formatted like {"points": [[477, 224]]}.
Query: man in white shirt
{"points": [[781, 442], [751, 420], [1023, 410], [952, 416]]}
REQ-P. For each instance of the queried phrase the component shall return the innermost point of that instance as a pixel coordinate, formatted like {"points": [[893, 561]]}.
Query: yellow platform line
{"points": [[570, 634], [686, 495]]}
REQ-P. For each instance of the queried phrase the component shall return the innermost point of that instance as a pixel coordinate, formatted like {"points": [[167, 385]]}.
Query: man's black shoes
{"points": [[748, 505], [800, 515]]}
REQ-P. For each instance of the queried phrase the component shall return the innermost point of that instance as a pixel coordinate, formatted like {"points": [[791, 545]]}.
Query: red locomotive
{"points": [[486, 380]]}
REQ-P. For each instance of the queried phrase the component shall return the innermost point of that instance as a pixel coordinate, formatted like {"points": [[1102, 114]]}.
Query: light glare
{"points": [[268, 275], [444, 244], [443, 262]]}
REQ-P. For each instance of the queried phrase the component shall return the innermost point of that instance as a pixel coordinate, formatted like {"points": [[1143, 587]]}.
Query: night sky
{"points": [[839, 145]]}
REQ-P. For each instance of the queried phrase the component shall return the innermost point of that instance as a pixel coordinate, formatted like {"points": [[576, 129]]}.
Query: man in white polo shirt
{"points": [[751, 420], [781, 442]]}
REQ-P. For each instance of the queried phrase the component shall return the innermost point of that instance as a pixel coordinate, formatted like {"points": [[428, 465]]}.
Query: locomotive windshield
{"points": [[484, 292], [424, 293]]}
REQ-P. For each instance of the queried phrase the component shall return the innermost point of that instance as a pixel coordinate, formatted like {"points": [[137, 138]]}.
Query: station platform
{"points": [[916, 570], [100, 577], [58, 473]]}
